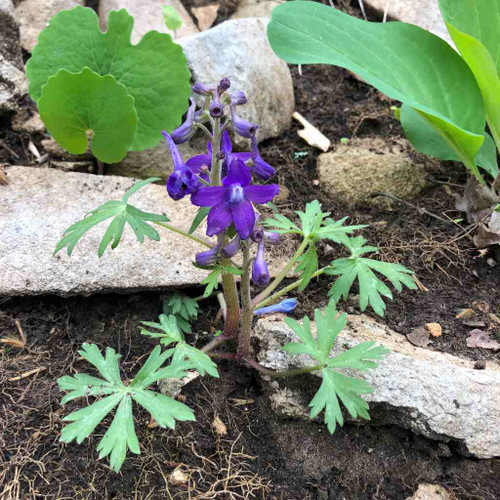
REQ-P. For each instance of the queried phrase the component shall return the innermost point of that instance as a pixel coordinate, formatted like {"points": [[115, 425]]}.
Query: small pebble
{"points": [[480, 365]]}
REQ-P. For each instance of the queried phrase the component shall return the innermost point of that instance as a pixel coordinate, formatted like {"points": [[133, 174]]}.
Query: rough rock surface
{"points": [[428, 491], [354, 172], [13, 83], [34, 16], [424, 13], [148, 16], [238, 49], [434, 394], [255, 8], [38, 204]]}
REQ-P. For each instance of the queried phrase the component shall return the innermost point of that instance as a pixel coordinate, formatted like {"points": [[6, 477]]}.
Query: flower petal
{"points": [[196, 162], [261, 194], [226, 144], [209, 196], [218, 219], [244, 218], [174, 151], [238, 174]]}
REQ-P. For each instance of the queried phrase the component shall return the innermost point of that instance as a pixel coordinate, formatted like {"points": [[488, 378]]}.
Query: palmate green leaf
{"points": [[307, 265], [122, 213], [424, 139], [371, 288], [474, 26], [212, 280], [403, 61], [169, 331], [184, 308], [120, 436], [74, 104], [201, 362], [154, 71]]}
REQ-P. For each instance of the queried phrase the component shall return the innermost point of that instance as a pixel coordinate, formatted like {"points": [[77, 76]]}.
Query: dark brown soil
{"points": [[261, 455]]}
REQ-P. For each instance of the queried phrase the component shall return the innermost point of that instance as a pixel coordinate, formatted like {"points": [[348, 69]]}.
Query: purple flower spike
{"points": [[232, 202], [260, 168], [260, 273], [285, 306], [271, 238], [186, 130], [231, 249], [183, 180], [240, 126], [227, 151]]}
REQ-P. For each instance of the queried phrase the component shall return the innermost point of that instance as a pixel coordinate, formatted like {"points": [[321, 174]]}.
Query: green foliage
{"points": [[120, 436], [74, 103], [371, 288], [170, 333], [200, 216], [121, 213], [173, 21], [184, 308], [212, 280], [335, 385], [154, 72], [401, 60]]}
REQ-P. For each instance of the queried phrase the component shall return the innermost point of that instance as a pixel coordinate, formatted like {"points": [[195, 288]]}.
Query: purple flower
{"points": [[238, 98], [260, 273], [183, 180], [186, 130], [240, 126], [271, 238], [231, 249], [202, 89], [260, 168], [224, 84], [232, 202], [227, 151], [285, 306], [216, 107]]}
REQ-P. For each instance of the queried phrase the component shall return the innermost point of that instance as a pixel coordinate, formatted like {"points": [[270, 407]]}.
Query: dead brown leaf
{"points": [[419, 337], [435, 329], [479, 338]]}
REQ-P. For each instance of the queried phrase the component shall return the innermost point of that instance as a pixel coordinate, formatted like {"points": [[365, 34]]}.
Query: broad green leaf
{"points": [[401, 60], [120, 436], [199, 361], [122, 213], [152, 364], [371, 288], [474, 26], [198, 219], [307, 265], [154, 71], [424, 139], [106, 365], [74, 106], [169, 332], [173, 21], [359, 357]]}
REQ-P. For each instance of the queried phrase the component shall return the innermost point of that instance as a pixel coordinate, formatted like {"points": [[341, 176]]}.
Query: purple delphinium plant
{"points": [[231, 189]]}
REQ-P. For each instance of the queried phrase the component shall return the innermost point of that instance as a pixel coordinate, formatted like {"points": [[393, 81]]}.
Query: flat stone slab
{"points": [[39, 204], [434, 394]]}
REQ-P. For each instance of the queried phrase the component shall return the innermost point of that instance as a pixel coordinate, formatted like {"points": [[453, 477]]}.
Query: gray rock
{"points": [[428, 491], [38, 204], [355, 172], [33, 16], [255, 8], [148, 16], [238, 49], [424, 13], [434, 394], [13, 83]]}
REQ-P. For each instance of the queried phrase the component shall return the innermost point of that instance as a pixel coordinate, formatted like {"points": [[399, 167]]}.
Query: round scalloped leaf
{"points": [[154, 71], [74, 104]]}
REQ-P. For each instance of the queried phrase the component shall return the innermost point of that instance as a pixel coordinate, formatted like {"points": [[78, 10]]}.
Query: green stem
{"points": [[282, 275], [285, 290], [184, 233], [247, 309], [283, 374]]}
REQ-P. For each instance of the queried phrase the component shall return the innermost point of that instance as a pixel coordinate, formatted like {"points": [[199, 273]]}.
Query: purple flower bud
{"points": [[201, 89], [231, 249], [238, 98], [216, 107], [224, 84], [260, 168], [271, 238], [242, 127], [207, 258], [186, 130], [285, 306], [257, 234], [260, 273]]}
